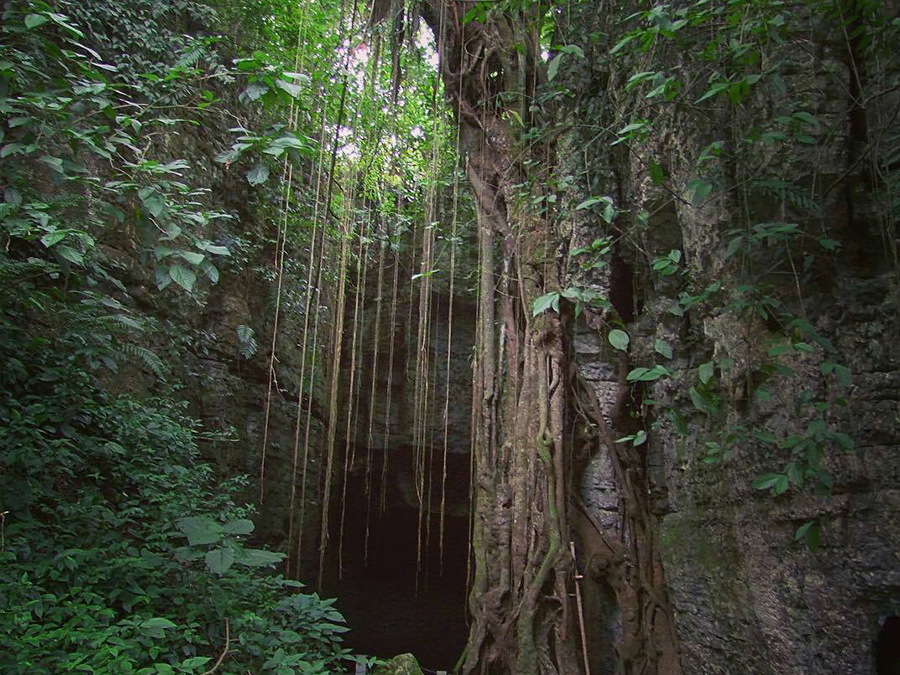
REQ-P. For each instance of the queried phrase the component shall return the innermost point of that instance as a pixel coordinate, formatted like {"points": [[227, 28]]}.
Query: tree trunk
{"points": [[521, 613]]}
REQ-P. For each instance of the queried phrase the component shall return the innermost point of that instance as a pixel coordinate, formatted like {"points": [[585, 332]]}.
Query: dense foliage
{"points": [[121, 553], [122, 549]]}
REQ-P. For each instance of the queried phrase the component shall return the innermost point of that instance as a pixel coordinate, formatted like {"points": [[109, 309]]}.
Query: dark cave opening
{"points": [[377, 592], [887, 647]]}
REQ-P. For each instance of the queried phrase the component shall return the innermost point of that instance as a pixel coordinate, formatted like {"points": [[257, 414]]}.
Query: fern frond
{"points": [[145, 356]]}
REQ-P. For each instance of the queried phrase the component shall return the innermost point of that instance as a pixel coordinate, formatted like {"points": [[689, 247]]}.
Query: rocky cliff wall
{"points": [[747, 595]]}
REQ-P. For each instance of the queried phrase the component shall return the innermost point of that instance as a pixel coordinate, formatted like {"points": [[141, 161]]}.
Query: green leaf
{"points": [[717, 88], [35, 20], [240, 526], [842, 373], [69, 254], [183, 277], [702, 401], [587, 203], [636, 374], [662, 347], [780, 349], [707, 371], [195, 662], [803, 529], [810, 532], [293, 90], [219, 560], [200, 530], [781, 485], [255, 90], [52, 238], [733, 246], [656, 173], [553, 67], [545, 302], [257, 557], [157, 623], [258, 174], [806, 118], [767, 480], [191, 257], [619, 339], [621, 44], [794, 473], [215, 250], [633, 126], [844, 441], [156, 204], [648, 374]]}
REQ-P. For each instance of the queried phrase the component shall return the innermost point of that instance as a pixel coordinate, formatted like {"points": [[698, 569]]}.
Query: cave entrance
{"points": [[377, 591], [887, 647]]}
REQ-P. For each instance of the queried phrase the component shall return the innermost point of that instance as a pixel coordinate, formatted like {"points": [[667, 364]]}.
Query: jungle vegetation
{"points": [[151, 149]]}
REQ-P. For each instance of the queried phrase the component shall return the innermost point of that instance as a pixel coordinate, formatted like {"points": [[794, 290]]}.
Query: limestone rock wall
{"points": [[747, 596]]}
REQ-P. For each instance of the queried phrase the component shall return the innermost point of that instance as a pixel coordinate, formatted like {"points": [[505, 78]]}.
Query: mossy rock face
{"points": [[404, 664]]}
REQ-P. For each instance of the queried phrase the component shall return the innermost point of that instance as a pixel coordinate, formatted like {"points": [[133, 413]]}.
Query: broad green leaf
{"points": [[200, 530], [257, 557], [240, 526], [258, 174], [621, 44], [767, 480], [844, 441], [52, 238], [794, 473], [803, 529], [156, 204], [255, 90], [662, 347], [637, 78], [706, 371], [587, 203], [215, 250], [733, 246], [781, 485], [633, 126], [545, 302], [157, 623], [572, 49], [701, 401], [619, 339], [717, 88], [188, 554], [293, 90], [35, 20], [811, 531], [636, 374], [648, 374], [656, 173], [183, 277], [195, 662], [553, 67], [219, 560], [842, 373], [69, 254], [780, 350], [806, 118], [191, 257]]}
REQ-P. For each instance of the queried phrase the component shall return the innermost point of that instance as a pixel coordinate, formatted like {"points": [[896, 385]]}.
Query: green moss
{"points": [[404, 664]]}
